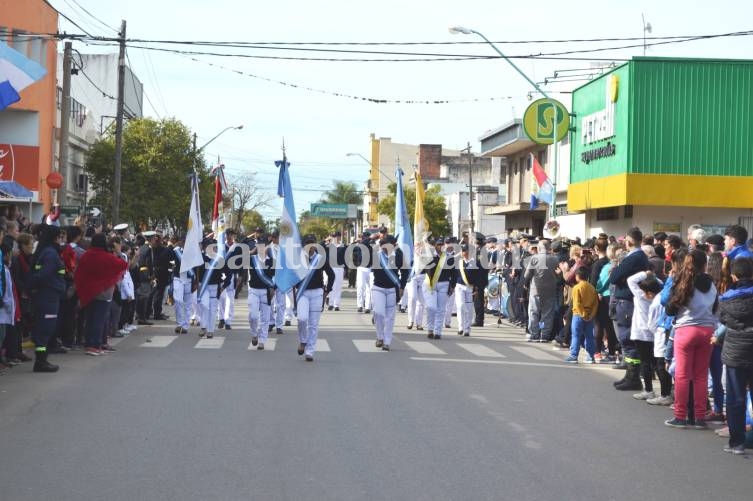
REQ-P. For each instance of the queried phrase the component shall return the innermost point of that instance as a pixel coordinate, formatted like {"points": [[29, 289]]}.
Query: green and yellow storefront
{"points": [[663, 143]]}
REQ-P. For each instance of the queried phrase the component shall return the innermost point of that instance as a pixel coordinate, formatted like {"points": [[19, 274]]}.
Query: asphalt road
{"points": [[485, 417]]}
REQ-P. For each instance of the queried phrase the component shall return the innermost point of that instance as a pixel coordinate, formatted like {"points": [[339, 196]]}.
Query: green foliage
{"points": [[344, 192], [435, 209], [251, 220], [158, 159], [321, 227]]}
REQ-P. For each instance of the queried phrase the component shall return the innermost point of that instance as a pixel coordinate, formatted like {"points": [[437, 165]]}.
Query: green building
{"points": [[663, 143]]}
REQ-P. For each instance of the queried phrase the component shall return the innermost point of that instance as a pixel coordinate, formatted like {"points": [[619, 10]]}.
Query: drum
{"points": [[493, 288]]}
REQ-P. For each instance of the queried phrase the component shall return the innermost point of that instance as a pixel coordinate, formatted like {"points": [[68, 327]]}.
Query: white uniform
{"points": [[227, 303], [415, 295], [363, 288], [384, 302], [258, 313], [309, 311], [183, 297], [464, 303], [208, 308]]}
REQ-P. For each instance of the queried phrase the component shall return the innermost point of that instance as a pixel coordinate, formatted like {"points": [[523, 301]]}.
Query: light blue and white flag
{"points": [[192, 247], [16, 73], [290, 268], [402, 223]]}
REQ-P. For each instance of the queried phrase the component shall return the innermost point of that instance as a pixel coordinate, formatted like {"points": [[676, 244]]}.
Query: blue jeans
{"points": [[97, 314], [715, 368], [739, 383], [582, 332]]}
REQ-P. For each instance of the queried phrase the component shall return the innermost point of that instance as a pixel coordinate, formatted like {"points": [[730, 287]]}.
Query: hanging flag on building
{"points": [[290, 268], [541, 187], [192, 246], [16, 73], [402, 223]]}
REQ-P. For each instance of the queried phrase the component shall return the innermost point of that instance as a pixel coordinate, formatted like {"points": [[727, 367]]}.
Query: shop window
{"points": [[628, 211], [607, 214]]}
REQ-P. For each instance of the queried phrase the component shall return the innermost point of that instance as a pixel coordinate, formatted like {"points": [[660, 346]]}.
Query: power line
{"points": [[69, 19], [94, 17]]}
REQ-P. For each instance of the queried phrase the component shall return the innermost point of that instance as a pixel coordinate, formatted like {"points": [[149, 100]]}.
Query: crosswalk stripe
{"points": [[480, 350], [270, 345], [425, 348], [535, 353], [158, 342], [322, 345], [366, 346], [212, 344]]}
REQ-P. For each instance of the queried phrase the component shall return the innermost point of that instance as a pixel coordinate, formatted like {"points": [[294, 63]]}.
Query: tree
{"points": [[344, 192], [319, 226], [435, 209], [251, 220], [158, 160], [247, 197]]}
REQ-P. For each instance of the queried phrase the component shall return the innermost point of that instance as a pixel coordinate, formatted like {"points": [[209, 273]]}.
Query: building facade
{"points": [[27, 128], [664, 143]]}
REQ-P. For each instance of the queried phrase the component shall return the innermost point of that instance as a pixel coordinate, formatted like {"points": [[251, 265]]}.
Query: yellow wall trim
{"points": [[661, 190]]}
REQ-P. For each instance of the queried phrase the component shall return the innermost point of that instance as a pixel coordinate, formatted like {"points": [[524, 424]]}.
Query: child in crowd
{"points": [[645, 288], [585, 306]]}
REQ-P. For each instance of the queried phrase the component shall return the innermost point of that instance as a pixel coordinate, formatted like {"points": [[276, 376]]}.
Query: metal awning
{"points": [[506, 140]]}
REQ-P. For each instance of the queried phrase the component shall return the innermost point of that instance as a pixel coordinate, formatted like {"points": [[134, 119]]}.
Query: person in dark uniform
{"points": [[310, 295], [480, 281], [261, 292], [146, 259], [441, 277], [209, 300], [161, 260], [390, 278]]}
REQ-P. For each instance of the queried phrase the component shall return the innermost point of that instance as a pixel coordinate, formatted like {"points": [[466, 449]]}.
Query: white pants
{"points": [[437, 308], [415, 295], [464, 305], [363, 290], [449, 309], [494, 303], [337, 287], [309, 311], [289, 306], [227, 303], [193, 308], [208, 308], [258, 313], [182, 295], [279, 308], [384, 302]]}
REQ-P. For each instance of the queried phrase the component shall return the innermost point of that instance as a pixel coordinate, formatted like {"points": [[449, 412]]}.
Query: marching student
{"points": [[208, 302], [363, 276], [440, 285], [184, 291], [337, 255], [389, 279], [227, 298], [261, 291], [309, 296], [465, 291], [279, 313]]}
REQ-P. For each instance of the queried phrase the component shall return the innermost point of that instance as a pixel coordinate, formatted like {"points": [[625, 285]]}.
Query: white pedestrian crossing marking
{"points": [[212, 344], [535, 353], [367, 346], [322, 345], [480, 350], [270, 345], [424, 348], [158, 342]]}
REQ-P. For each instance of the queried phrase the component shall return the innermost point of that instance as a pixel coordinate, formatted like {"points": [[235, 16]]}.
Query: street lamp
{"points": [[467, 31], [196, 150]]}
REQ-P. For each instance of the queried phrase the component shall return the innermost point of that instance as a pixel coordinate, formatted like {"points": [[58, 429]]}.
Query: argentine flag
{"points": [[402, 223], [16, 73], [289, 269]]}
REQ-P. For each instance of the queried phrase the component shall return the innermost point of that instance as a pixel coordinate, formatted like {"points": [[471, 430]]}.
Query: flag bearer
{"points": [[310, 298]]}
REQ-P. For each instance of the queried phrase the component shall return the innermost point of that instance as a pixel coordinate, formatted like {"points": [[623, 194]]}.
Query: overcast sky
{"points": [[320, 128]]}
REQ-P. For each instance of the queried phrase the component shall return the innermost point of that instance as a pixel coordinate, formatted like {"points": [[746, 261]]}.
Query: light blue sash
{"points": [[260, 273], [307, 278], [389, 271]]}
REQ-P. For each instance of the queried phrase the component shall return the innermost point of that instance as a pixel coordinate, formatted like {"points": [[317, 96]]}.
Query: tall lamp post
{"points": [[197, 150], [467, 31]]}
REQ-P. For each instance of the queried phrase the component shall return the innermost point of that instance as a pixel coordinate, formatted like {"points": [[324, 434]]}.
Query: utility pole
{"points": [[119, 126], [65, 122], [470, 187]]}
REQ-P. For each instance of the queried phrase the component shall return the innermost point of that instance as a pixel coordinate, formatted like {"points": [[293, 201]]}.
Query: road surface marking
{"points": [[425, 348], [480, 350], [367, 346], [158, 342], [211, 344], [535, 353], [270, 345], [322, 345]]}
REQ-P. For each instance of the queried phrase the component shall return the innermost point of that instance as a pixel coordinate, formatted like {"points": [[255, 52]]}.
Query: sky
{"points": [[210, 93]]}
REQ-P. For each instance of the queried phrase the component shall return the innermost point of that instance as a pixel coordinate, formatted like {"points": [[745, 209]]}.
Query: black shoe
{"points": [[221, 324], [360, 309], [210, 335], [309, 358], [145, 322], [161, 317], [260, 347], [287, 323], [410, 326], [279, 331], [254, 341], [270, 328], [386, 347], [301, 348], [330, 308], [460, 332], [177, 330], [437, 336], [42, 365], [337, 308], [183, 331], [379, 343], [467, 334], [367, 311], [228, 327]]}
